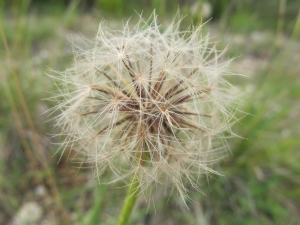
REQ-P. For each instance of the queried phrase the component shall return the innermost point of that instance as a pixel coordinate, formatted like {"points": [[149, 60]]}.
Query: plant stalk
{"points": [[130, 200]]}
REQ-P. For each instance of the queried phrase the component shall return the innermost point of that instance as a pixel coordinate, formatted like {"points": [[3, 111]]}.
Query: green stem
{"points": [[129, 202]]}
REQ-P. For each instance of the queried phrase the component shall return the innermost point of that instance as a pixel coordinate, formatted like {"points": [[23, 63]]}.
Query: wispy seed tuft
{"points": [[147, 103]]}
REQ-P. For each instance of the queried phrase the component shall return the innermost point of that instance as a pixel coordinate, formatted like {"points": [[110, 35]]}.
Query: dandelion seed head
{"points": [[148, 103]]}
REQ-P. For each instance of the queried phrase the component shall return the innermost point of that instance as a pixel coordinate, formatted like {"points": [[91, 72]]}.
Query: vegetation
{"points": [[261, 173]]}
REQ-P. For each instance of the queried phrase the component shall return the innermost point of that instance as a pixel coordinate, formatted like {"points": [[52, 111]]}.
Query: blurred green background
{"points": [[262, 171]]}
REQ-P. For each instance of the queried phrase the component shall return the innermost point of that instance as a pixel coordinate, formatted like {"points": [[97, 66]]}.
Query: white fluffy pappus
{"points": [[147, 103]]}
